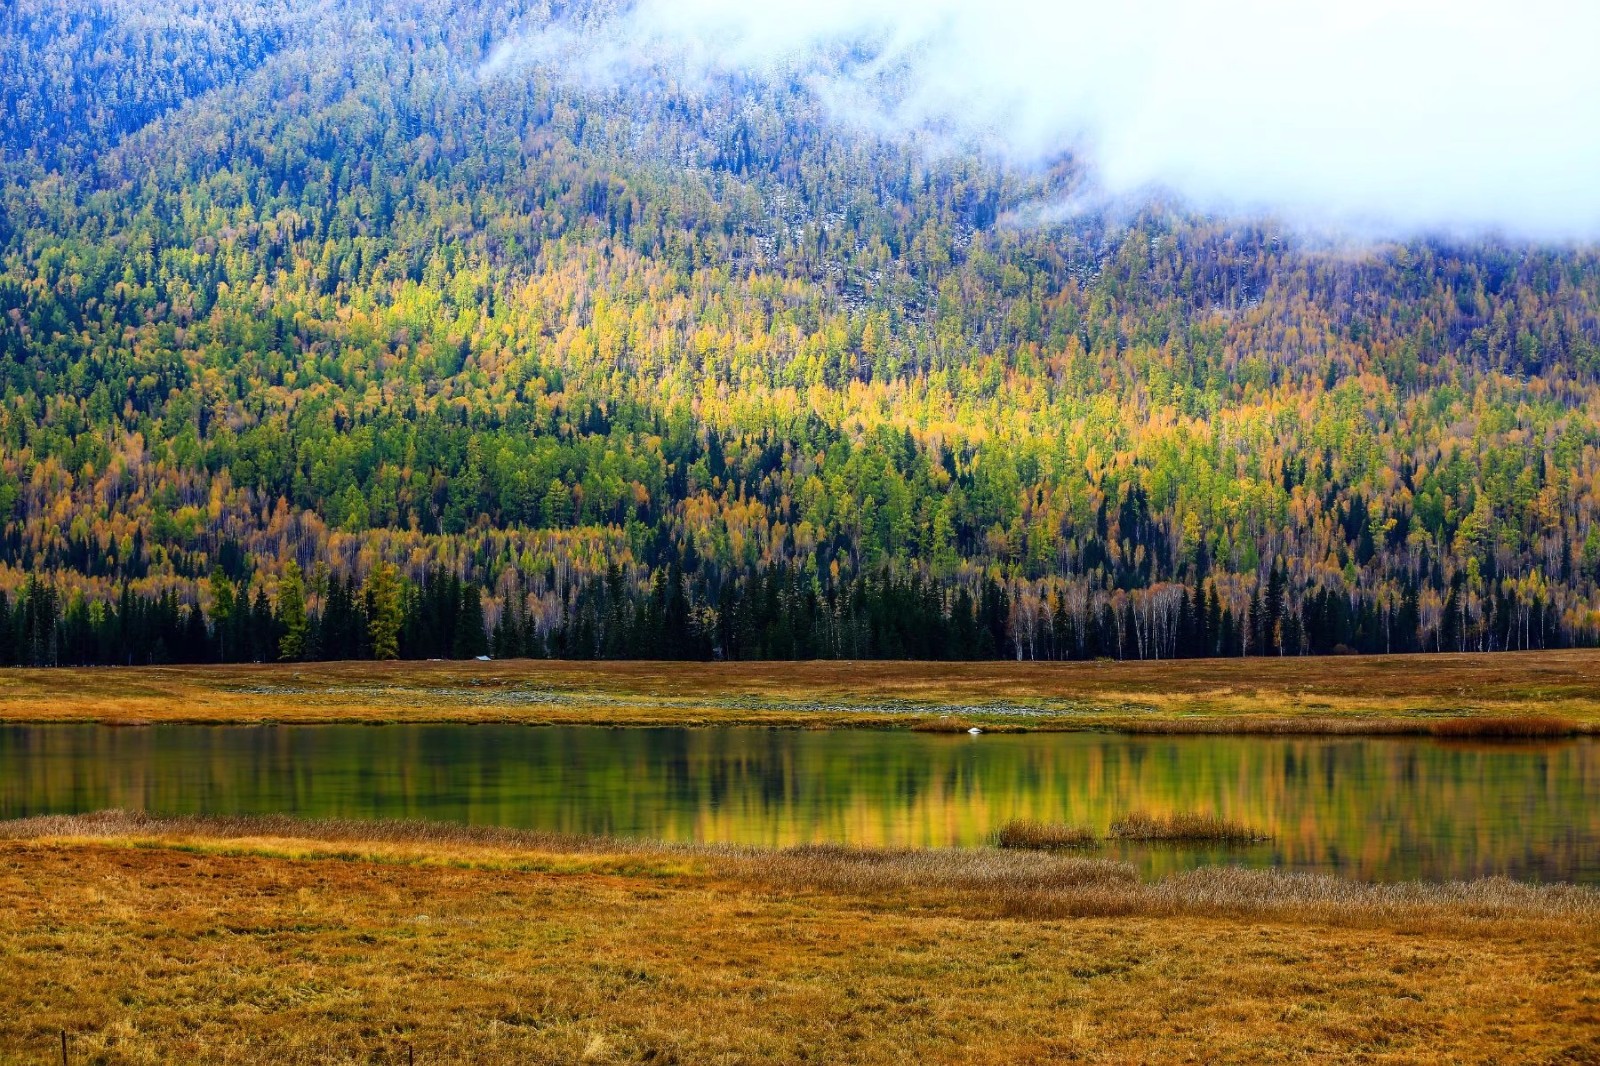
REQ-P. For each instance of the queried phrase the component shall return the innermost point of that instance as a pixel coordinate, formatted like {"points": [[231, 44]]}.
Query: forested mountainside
{"points": [[376, 327]]}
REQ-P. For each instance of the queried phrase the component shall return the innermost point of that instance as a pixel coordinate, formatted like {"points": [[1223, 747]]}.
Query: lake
{"points": [[1376, 808]]}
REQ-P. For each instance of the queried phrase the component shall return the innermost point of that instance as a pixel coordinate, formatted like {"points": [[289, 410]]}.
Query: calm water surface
{"points": [[1375, 808]]}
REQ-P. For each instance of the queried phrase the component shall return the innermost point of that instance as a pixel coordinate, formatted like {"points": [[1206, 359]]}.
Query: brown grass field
{"points": [[1534, 693], [269, 940]]}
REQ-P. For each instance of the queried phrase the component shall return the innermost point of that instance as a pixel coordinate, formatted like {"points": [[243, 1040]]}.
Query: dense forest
{"points": [[369, 329]]}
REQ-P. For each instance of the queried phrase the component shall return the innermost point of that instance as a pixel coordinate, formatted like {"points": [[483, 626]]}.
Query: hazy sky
{"points": [[1394, 116]]}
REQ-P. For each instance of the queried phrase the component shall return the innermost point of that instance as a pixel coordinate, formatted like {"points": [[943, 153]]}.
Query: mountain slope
{"points": [[654, 365]]}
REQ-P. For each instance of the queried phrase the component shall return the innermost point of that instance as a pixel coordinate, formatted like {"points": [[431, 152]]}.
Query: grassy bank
{"points": [[1529, 694], [271, 940]]}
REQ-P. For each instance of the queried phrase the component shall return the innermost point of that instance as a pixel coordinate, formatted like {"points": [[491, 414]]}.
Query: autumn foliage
{"points": [[695, 371]]}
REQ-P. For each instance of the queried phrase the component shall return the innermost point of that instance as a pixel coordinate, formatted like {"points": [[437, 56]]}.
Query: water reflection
{"points": [[1375, 808]]}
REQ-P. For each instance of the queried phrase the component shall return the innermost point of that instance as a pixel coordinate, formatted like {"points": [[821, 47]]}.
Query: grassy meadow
{"points": [[1535, 692], [272, 940]]}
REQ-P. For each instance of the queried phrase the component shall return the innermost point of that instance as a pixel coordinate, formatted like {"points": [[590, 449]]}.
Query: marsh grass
{"points": [[1525, 727], [131, 825], [1280, 725], [1184, 827], [1009, 882], [238, 940], [1043, 836], [248, 940]]}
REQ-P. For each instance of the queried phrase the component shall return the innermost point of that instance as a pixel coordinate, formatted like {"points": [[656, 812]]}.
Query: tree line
{"points": [[775, 614]]}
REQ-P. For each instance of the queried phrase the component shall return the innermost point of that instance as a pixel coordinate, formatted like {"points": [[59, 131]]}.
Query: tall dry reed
{"points": [[1042, 836], [1183, 827]]}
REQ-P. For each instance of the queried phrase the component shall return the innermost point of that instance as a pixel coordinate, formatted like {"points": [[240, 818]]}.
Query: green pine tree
{"points": [[222, 610], [292, 613], [385, 612]]}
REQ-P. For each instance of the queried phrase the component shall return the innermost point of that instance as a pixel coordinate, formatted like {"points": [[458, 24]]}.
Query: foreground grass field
{"points": [[1388, 694], [271, 940]]}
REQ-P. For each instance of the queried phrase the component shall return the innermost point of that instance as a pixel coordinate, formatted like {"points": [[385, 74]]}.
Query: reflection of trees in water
{"points": [[1370, 807]]}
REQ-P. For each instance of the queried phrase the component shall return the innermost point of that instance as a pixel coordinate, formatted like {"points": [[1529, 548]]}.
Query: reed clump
{"points": [[1519, 727], [1044, 836], [988, 877], [1184, 827]]}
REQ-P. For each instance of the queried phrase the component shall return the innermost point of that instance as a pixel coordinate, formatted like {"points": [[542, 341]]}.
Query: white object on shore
{"points": [[974, 730]]}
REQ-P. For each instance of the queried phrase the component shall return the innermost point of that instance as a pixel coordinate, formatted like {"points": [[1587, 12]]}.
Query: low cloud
{"points": [[1387, 116]]}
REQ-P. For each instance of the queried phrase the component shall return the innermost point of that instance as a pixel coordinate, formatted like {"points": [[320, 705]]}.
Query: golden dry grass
{"points": [[1399, 694], [257, 940]]}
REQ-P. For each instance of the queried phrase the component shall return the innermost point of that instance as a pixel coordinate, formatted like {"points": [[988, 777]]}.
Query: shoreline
{"points": [[1492, 696], [1016, 882], [1461, 730]]}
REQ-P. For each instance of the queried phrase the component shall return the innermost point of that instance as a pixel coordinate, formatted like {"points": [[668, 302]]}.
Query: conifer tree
{"points": [[222, 608], [292, 613], [385, 611]]}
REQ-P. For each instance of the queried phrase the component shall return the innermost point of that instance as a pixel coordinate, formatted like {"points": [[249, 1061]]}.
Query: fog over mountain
{"points": [[1382, 118]]}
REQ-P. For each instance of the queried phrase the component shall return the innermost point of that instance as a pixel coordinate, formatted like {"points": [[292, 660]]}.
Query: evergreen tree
{"points": [[292, 613], [385, 610], [470, 639], [222, 611]]}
